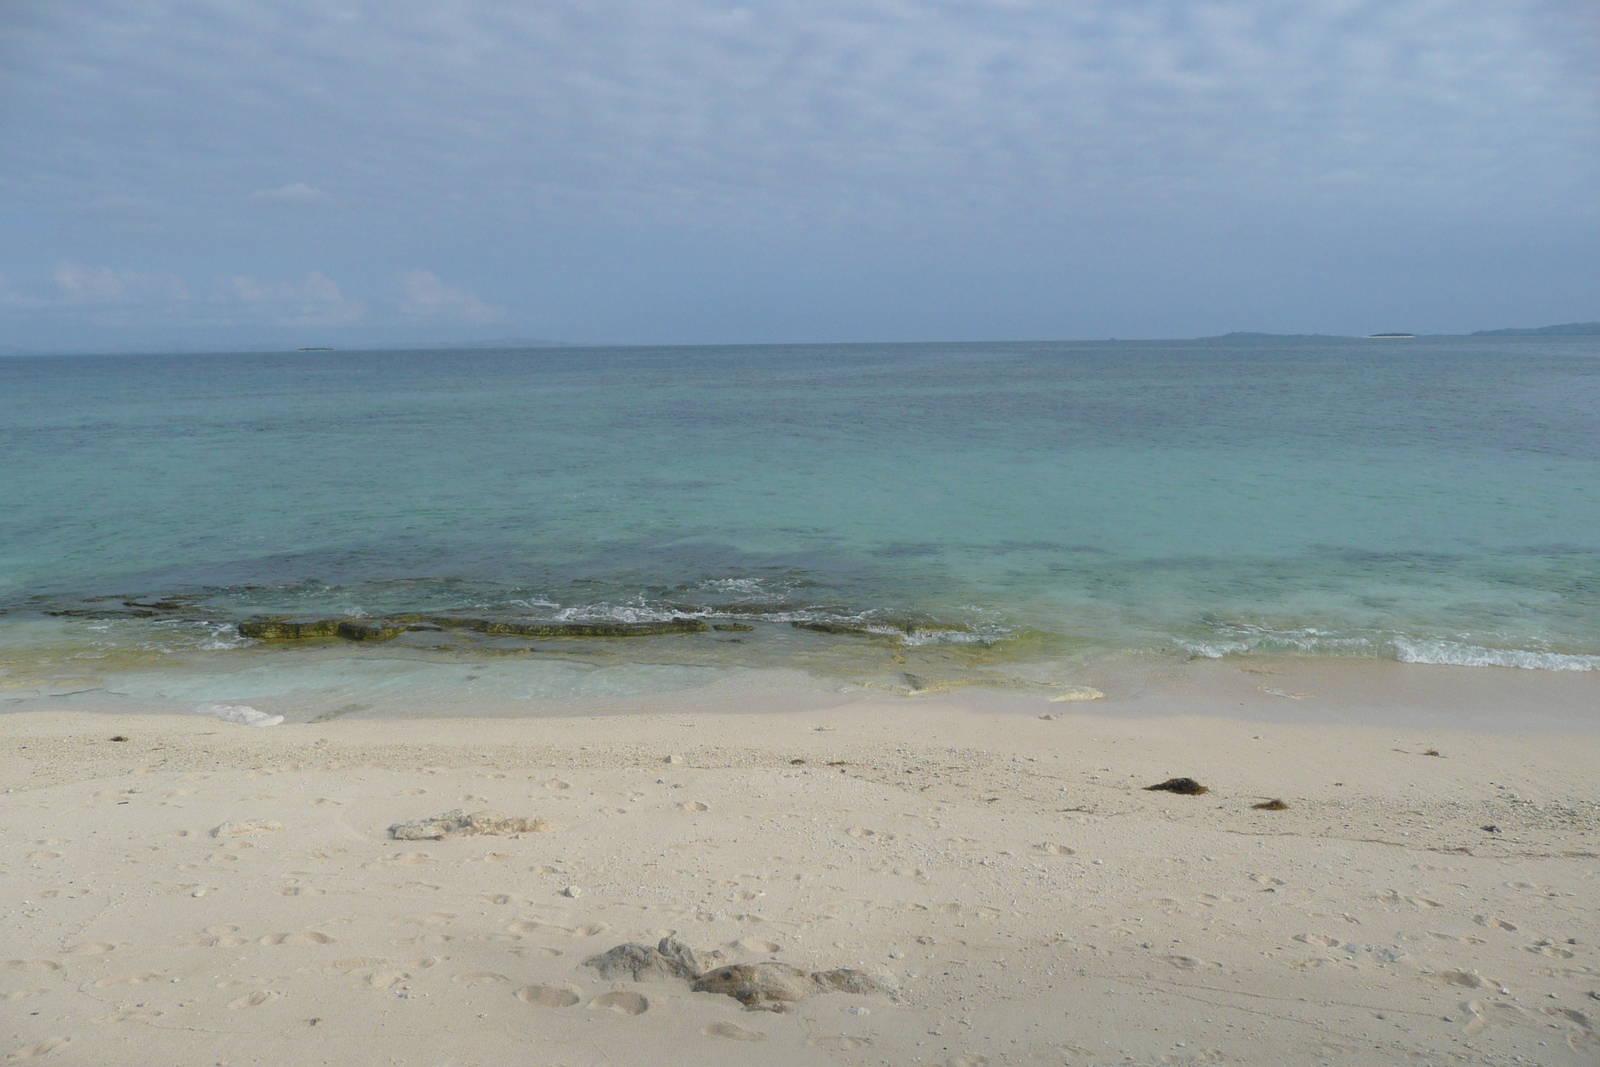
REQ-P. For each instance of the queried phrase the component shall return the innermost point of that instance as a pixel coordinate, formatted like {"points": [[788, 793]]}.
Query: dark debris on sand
{"points": [[1186, 786]]}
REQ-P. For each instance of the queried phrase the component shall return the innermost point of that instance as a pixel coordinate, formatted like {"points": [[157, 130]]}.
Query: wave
{"points": [[1455, 654], [1244, 640], [1239, 639]]}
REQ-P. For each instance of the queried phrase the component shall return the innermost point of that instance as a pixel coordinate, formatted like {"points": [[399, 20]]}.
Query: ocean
{"points": [[904, 517]]}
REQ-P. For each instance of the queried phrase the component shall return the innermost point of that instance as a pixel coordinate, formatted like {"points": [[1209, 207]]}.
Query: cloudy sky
{"points": [[269, 173]]}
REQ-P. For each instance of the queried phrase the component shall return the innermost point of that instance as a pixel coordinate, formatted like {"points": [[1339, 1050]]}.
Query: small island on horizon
{"points": [[1570, 329]]}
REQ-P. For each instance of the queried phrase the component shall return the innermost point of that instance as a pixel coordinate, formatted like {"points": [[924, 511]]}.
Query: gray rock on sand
{"points": [[458, 823], [669, 959], [769, 986], [774, 986]]}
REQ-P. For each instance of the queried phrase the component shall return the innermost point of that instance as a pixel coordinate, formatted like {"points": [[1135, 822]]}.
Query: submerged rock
{"points": [[515, 628], [458, 823], [834, 628], [670, 958], [288, 629]]}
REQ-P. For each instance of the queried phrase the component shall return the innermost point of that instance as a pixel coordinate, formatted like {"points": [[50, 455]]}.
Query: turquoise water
{"points": [[999, 505]]}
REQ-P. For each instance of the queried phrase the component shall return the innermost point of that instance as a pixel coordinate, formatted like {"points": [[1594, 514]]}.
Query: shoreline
{"points": [[208, 892], [318, 684]]}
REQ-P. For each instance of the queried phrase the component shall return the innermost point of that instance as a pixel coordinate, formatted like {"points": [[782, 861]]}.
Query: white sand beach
{"points": [[207, 893]]}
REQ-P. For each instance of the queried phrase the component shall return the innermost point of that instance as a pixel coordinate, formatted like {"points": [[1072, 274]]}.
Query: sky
{"points": [[245, 174]]}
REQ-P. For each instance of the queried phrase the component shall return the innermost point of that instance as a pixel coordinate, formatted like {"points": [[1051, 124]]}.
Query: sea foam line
{"points": [[1454, 654]]}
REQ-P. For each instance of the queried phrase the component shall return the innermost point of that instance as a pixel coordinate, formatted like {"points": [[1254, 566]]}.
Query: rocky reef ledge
{"points": [[290, 628]]}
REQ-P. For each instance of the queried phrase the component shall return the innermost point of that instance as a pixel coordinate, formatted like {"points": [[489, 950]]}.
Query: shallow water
{"points": [[997, 513]]}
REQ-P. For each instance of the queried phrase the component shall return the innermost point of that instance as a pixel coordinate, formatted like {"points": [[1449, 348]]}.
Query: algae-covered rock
{"points": [[287, 628], [518, 628], [291, 629], [849, 629]]}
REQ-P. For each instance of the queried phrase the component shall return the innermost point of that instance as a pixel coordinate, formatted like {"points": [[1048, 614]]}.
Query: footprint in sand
{"points": [[1464, 979], [326, 801], [1494, 922], [622, 1003], [340, 968], [303, 937], [556, 783], [33, 966], [141, 978], [92, 948], [40, 857], [21, 994], [971, 1059], [1320, 940], [591, 929], [549, 996], [479, 978], [415, 792], [694, 805], [215, 938], [28, 1052], [127, 1014], [1057, 850], [1463, 939], [839, 1041], [733, 1032], [874, 835], [613, 811], [425, 918], [1487, 1012], [254, 1000], [473, 798], [1551, 949], [407, 858], [755, 944], [1188, 963]]}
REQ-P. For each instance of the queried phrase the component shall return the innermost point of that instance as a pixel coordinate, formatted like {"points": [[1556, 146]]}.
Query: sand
{"points": [[206, 892]]}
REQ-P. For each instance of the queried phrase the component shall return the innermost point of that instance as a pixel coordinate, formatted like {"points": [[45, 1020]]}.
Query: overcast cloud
{"points": [[249, 174]]}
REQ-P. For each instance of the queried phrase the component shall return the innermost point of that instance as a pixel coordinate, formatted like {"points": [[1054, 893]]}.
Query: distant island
{"points": [[1571, 329], [314, 349]]}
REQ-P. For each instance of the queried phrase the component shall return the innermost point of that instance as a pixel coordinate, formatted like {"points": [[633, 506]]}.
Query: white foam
{"points": [[1454, 654], [1254, 639], [242, 714]]}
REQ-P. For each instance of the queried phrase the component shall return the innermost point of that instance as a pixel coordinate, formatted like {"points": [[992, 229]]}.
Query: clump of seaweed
{"points": [[1186, 786], [1275, 804]]}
